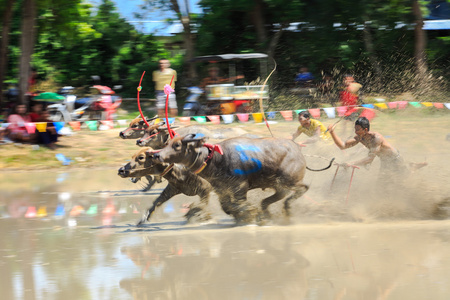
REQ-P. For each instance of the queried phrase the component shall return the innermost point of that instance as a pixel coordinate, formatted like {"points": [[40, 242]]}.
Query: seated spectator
{"points": [[36, 111], [17, 130], [50, 136], [304, 78], [214, 78]]}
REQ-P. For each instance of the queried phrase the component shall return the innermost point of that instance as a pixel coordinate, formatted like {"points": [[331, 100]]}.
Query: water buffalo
{"points": [[136, 128], [244, 164], [180, 181]]}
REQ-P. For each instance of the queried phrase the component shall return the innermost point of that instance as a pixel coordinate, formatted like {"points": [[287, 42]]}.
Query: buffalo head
{"points": [[155, 136], [141, 164], [136, 128], [183, 150]]}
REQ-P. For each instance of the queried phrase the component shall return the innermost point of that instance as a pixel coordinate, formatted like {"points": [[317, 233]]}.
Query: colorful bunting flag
{"points": [[447, 105], [438, 105], [108, 123], [214, 119], [171, 120], [58, 126], [271, 115], [368, 113], [31, 127], [200, 119], [76, 210], [185, 120], [415, 104], [402, 104], [41, 126], [427, 104], [228, 119], [330, 111], [243, 117], [315, 112], [59, 212], [287, 115], [381, 105], [257, 117], [31, 212], [92, 125], [75, 125], [92, 210], [392, 105], [297, 111], [369, 105], [341, 110], [42, 211], [122, 122]]}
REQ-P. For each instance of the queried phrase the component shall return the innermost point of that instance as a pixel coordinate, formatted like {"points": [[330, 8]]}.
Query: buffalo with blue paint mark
{"points": [[246, 164]]}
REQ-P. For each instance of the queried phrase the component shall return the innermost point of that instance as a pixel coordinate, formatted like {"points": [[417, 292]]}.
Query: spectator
{"points": [[350, 94], [17, 129], [36, 111], [214, 77], [304, 77], [50, 136], [162, 77]]}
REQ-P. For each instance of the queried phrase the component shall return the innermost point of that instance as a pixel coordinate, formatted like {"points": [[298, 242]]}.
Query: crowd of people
{"points": [[17, 131]]}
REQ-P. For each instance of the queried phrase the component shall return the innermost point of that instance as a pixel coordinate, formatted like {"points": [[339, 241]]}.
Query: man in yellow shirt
{"points": [[312, 128], [162, 77]]}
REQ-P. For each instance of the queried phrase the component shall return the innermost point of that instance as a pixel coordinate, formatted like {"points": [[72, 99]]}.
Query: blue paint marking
{"points": [[242, 149]]}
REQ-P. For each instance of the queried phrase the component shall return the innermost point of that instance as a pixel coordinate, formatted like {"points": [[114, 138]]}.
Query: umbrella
{"points": [[48, 97]]}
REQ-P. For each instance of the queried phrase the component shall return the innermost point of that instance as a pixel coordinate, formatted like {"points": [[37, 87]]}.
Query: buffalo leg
{"points": [[243, 211], [299, 191], [151, 181], [169, 192], [279, 194]]}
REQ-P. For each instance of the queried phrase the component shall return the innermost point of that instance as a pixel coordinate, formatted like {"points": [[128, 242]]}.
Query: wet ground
{"points": [[71, 235]]}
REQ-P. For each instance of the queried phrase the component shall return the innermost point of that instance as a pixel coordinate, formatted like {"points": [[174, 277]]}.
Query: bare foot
{"points": [[417, 166]]}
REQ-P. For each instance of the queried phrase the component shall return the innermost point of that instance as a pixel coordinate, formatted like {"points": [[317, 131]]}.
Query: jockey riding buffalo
{"points": [[180, 180], [237, 165]]}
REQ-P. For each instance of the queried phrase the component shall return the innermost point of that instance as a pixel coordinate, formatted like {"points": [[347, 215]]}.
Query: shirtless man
{"points": [[390, 158]]}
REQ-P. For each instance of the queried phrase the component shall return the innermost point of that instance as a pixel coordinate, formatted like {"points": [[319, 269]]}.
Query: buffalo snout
{"points": [[122, 135], [140, 142], [122, 172]]}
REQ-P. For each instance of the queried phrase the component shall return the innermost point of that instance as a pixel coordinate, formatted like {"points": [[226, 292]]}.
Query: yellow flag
{"points": [[381, 105], [427, 104], [41, 126], [257, 117]]}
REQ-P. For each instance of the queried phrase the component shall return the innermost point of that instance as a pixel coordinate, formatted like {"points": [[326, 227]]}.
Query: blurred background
{"points": [[393, 48]]}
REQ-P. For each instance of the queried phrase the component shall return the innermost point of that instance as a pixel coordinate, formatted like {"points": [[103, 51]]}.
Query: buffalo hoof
{"points": [[197, 215]]}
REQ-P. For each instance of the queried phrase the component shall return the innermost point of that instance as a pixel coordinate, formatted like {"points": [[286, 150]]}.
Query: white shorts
{"points": [[161, 100]]}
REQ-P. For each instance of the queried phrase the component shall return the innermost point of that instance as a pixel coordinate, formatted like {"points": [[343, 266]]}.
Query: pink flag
{"points": [[287, 114], [214, 119], [315, 112], [402, 104], [341, 110], [31, 212], [185, 120], [438, 105], [243, 117], [392, 104], [108, 123], [368, 113], [31, 127]]}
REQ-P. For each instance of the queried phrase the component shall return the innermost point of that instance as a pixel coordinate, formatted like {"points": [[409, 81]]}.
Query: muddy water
{"points": [[71, 236]]}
